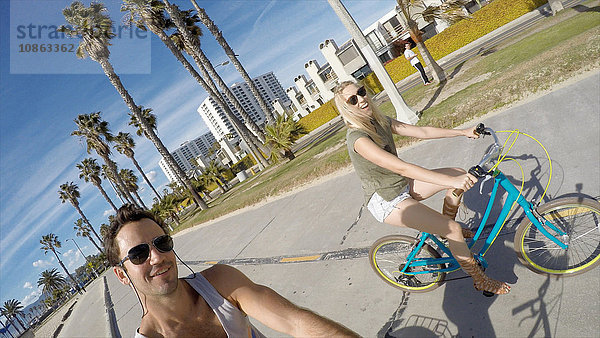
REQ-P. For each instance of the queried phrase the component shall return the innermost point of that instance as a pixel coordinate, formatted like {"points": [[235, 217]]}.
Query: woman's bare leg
{"points": [[415, 215], [412, 214], [421, 190]]}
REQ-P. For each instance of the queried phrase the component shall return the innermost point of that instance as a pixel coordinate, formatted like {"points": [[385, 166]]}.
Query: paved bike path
{"points": [[317, 220]]}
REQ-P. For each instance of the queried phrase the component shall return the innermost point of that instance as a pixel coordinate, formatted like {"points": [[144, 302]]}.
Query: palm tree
{"points": [[103, 229], [185, 22], [84, 231], [94, 27], [70, 192], [450, 11], [148, 14], [107, 175], [124, 145], [50, 242], [234, 60], [282, 135], [51, 280], [168, 207], [12, 309], [89, 170], [214, 173], [128, 176], [95, 131], [151, 122]]}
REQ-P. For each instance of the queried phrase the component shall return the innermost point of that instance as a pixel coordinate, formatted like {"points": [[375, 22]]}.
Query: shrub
{"points": [[487, 19], [319, 116], [243, 164]]}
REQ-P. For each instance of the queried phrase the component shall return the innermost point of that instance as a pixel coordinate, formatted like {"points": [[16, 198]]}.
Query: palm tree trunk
{"points": [[13, 325], [20, 322], [140, 200], [67, 271], [103, 192], [7, 330], [118, 193], [94, 242], [121, 191], [232, 56], [137, 165], [112, 166], [438, 73], [86, 221], [208, 85], [116, 82]]}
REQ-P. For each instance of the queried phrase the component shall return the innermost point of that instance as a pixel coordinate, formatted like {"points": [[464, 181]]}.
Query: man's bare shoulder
{"points": [[226, 280]]}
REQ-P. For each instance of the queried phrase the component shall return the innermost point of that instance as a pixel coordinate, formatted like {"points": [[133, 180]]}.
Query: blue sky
{"points": [[41, 94]]}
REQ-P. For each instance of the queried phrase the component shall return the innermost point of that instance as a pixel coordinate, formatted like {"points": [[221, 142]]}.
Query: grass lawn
{"points": [[561, 47]]}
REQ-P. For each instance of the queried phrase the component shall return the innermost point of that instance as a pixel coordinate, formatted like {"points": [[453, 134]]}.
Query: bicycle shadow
{"points": [[414, 326], [466, 307]]}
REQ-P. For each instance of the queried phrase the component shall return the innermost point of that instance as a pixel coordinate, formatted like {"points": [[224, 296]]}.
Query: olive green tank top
{"points": [[374, 178]]}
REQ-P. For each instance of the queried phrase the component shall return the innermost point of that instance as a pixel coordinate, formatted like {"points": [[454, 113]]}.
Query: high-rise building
{"points": [[270, 90], [189, 150]]}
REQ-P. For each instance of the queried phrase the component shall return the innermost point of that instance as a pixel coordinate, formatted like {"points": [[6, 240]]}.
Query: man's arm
{"points": [[270, 308]]}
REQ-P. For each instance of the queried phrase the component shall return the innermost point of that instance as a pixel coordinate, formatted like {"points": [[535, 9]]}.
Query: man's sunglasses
{"points": [[353, 100], [139, 253]]}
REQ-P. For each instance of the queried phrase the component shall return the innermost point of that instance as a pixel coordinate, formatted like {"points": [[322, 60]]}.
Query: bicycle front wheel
{"points": [[579, 218], [388, 256]]}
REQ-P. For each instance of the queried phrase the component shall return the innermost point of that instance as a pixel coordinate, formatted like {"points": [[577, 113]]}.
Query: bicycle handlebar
{"points": [[493, 152]]}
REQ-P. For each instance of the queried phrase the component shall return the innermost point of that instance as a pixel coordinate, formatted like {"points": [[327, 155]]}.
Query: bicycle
{"points": [[560, 237]]}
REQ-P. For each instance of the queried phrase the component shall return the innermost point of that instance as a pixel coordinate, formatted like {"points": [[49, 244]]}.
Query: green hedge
{"points": [[243, 164], [487, 19], [319, 116]]}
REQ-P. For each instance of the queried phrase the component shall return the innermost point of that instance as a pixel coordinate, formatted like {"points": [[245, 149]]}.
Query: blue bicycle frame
{"points": [[452, 264]]}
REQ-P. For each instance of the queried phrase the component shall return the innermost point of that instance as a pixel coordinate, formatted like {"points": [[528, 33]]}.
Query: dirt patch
{"points": [[452, 86]]}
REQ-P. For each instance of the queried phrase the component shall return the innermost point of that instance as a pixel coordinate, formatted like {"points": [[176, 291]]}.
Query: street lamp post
{"points": [[403, 112], [84, 256]]}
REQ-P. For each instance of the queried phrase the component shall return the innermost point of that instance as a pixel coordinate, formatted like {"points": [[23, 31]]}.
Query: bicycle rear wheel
{"points": [[388, 256], [580, 219]]}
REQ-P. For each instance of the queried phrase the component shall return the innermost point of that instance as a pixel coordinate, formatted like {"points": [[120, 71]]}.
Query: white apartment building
{"points": [[198, 147], [214, 117], [346, 62]]}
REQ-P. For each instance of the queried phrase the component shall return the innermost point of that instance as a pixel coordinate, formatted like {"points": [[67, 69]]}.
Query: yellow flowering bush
{"points": [[487, 19], [319, 116]]}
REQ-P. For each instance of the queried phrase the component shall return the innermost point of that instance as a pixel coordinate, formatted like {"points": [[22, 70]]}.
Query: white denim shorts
{"points": [[381, 209]]}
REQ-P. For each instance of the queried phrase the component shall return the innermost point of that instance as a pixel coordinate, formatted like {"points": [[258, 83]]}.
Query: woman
{"points": [[414, 61], [394, 188]]}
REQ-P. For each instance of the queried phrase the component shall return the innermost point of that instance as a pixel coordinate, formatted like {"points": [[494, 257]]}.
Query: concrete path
{"points": [[90, 319], [316, 221]]}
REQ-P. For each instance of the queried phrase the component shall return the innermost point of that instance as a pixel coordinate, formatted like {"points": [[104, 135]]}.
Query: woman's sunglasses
{"points": [[353, 100], [139, 253]]}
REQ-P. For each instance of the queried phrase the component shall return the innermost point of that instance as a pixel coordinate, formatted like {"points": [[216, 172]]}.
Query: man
{"points": [[211, 303], [414, 61]]}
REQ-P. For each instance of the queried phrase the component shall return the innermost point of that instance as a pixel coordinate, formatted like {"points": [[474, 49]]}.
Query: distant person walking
{"points": [[414, 61]]}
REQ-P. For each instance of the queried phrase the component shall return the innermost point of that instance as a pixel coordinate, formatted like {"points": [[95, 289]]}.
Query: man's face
{"points": [[158, 274]]}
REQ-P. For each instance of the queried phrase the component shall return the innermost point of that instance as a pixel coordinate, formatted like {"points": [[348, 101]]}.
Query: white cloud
{"points": [[42, 263], [32, 297], [28, 285], [108, 212], [151, 175]]}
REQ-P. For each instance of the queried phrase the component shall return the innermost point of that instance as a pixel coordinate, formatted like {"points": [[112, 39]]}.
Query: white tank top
{"points": [[234, 322]]}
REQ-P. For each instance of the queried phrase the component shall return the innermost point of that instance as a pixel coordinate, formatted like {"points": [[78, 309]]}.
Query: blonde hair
{"points": [[356, 120]]}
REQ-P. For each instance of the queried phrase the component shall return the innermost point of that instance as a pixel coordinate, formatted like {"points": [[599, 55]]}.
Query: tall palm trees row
{"points": [[177, 29]]}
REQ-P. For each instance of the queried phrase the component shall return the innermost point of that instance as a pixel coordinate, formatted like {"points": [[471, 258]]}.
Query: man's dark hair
{"points": [[126, 214]]}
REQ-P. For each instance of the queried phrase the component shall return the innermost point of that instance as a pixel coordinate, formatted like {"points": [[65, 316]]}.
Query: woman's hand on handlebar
{"points": [[463, 182], [470, 132]]}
